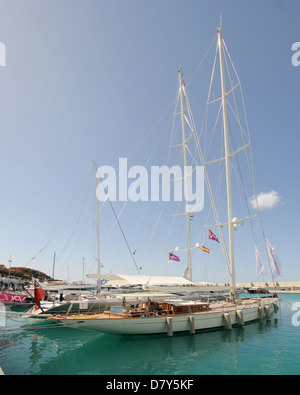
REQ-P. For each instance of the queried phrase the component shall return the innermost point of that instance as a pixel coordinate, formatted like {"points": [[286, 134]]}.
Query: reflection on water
{"points": [[268, 347]]}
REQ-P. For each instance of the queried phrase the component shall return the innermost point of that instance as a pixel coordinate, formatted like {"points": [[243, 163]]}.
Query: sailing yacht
{"points": [[175, 315]]}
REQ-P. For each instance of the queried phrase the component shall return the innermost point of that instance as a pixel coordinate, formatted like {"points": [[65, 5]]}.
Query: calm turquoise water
{"points": [[268, 347]]}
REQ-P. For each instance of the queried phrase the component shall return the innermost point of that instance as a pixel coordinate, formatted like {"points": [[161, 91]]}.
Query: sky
{"points": [[91, 80]]}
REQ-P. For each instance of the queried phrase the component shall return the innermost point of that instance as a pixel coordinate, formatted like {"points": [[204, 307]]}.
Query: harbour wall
{"points": [[280, 287]]}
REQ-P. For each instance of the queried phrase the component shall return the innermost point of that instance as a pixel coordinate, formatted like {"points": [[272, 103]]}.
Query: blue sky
{"points": [[84, 81]]}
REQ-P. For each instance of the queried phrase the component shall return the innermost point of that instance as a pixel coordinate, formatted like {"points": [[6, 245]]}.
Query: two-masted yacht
{"points": [[174, 315]]}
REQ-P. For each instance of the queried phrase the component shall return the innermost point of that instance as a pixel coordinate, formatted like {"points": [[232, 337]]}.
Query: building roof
{"points": [[141, 279]]}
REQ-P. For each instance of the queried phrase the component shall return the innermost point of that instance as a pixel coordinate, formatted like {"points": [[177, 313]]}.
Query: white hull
{"points": [[170, 324]]}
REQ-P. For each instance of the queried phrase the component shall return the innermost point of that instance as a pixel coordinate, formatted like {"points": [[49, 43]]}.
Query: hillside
{"points": [[24, 273]]}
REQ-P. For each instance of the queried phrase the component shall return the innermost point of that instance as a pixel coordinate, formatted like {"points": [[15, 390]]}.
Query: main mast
{"points": [[186, 189], [97, 226], [233, 293]]}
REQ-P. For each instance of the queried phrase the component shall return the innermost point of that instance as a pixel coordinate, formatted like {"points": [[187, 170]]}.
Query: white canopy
{"points": [[142, 279]]}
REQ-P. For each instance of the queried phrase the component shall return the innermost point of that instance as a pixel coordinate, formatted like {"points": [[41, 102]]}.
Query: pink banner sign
{"points": [[13, 298]]}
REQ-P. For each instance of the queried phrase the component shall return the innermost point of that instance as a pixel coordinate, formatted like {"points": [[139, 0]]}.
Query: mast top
{"points": [[219, 28]]}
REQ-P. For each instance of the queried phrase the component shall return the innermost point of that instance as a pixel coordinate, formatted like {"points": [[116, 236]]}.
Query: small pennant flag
{"points": [[212, 236], [204, 249], [173, 257]]}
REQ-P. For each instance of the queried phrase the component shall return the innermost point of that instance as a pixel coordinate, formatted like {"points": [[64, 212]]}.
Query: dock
{"points": [[280, 287]]}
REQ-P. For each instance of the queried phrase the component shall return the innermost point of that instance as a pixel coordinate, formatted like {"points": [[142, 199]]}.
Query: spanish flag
{"points": [[204, 249]]}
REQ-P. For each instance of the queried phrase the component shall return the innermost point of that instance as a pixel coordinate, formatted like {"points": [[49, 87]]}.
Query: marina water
{"points": [[266, 347]]}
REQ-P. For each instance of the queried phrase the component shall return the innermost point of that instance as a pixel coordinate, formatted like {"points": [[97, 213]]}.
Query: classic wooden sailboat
{"points": [[176, 315]]}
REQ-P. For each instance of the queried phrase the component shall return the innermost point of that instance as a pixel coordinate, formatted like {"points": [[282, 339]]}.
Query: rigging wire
{"points": [[251, 166], [209, 188], [123, 234], [63, 226]]}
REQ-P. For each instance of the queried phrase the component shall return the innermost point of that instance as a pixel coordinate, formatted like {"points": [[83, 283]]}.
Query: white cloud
{"points": [[265, 200]]}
